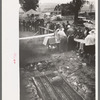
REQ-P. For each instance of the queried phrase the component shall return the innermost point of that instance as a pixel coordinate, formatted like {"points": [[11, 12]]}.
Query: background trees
{"points": [[29, 4], [71, 8], [76, 7]]}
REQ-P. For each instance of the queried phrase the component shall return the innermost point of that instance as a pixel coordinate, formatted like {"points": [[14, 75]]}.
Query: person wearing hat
{"points": [[89, 47], [68, 24], [70, 38], [82, 36]]}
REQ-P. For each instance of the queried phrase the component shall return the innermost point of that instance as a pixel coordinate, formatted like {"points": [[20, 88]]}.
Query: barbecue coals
{"points": [[40, 66]]}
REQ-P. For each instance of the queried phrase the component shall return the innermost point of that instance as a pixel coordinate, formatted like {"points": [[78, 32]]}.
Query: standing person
{"points": [[42, 25], [24, 25], [69, 30], [89, 48], [70, 37], [30, 25], [36, 25], [33, 25], [55, 26], [61, 38], [64, 26], [39, 24], [42, 22], [21, 25], [48, 26], [82, 36], [67, 24], [51, 26], [45, 24]]}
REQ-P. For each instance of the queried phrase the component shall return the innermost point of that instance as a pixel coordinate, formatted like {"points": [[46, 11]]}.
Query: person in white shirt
{"points": [[89, 47], [90, 39], [61, 38]]}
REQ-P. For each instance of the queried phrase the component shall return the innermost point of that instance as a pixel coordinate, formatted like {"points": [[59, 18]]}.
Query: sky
{"points": [[57, 1]]}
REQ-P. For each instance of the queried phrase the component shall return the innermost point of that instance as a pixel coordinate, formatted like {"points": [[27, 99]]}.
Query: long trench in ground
{"points": [[44, 92], [52, 92]]}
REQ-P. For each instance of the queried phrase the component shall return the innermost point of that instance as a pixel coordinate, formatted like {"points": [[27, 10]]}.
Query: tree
{"points": [[29, 4], [76, 7], [57, 8], [72, 8], [64, 8]]}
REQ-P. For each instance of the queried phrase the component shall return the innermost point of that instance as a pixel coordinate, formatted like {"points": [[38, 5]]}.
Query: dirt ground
{"points": [[79, 75]]}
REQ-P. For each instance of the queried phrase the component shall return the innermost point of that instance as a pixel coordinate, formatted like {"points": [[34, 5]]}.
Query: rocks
{"points": [[84, 64], [57, 80], [40, 66], [71, 58]]}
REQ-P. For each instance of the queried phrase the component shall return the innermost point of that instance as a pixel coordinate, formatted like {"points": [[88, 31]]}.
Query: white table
{"points": [[80, 40], [81, 43]]}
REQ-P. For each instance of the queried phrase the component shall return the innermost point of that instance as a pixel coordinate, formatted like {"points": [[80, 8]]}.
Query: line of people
{"points": [[30, 25], [53, 26]]}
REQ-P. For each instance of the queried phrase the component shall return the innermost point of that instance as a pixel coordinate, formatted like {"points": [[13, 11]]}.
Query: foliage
{"points": [[77, 4], [57, 8], [66, 9], [29, 4], [71, 8]]}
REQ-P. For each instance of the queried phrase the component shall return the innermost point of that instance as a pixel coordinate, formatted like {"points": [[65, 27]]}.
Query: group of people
{"points": [[30, 25], [50, 27], [65, 40], [64, 35]]}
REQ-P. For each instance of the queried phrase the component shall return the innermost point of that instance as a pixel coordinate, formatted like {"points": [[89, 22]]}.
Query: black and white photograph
{"points": [[57, 49]]}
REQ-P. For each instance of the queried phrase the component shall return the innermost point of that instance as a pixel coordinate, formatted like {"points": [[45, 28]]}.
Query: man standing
{"points": [[70, 39], [24, 25]]}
